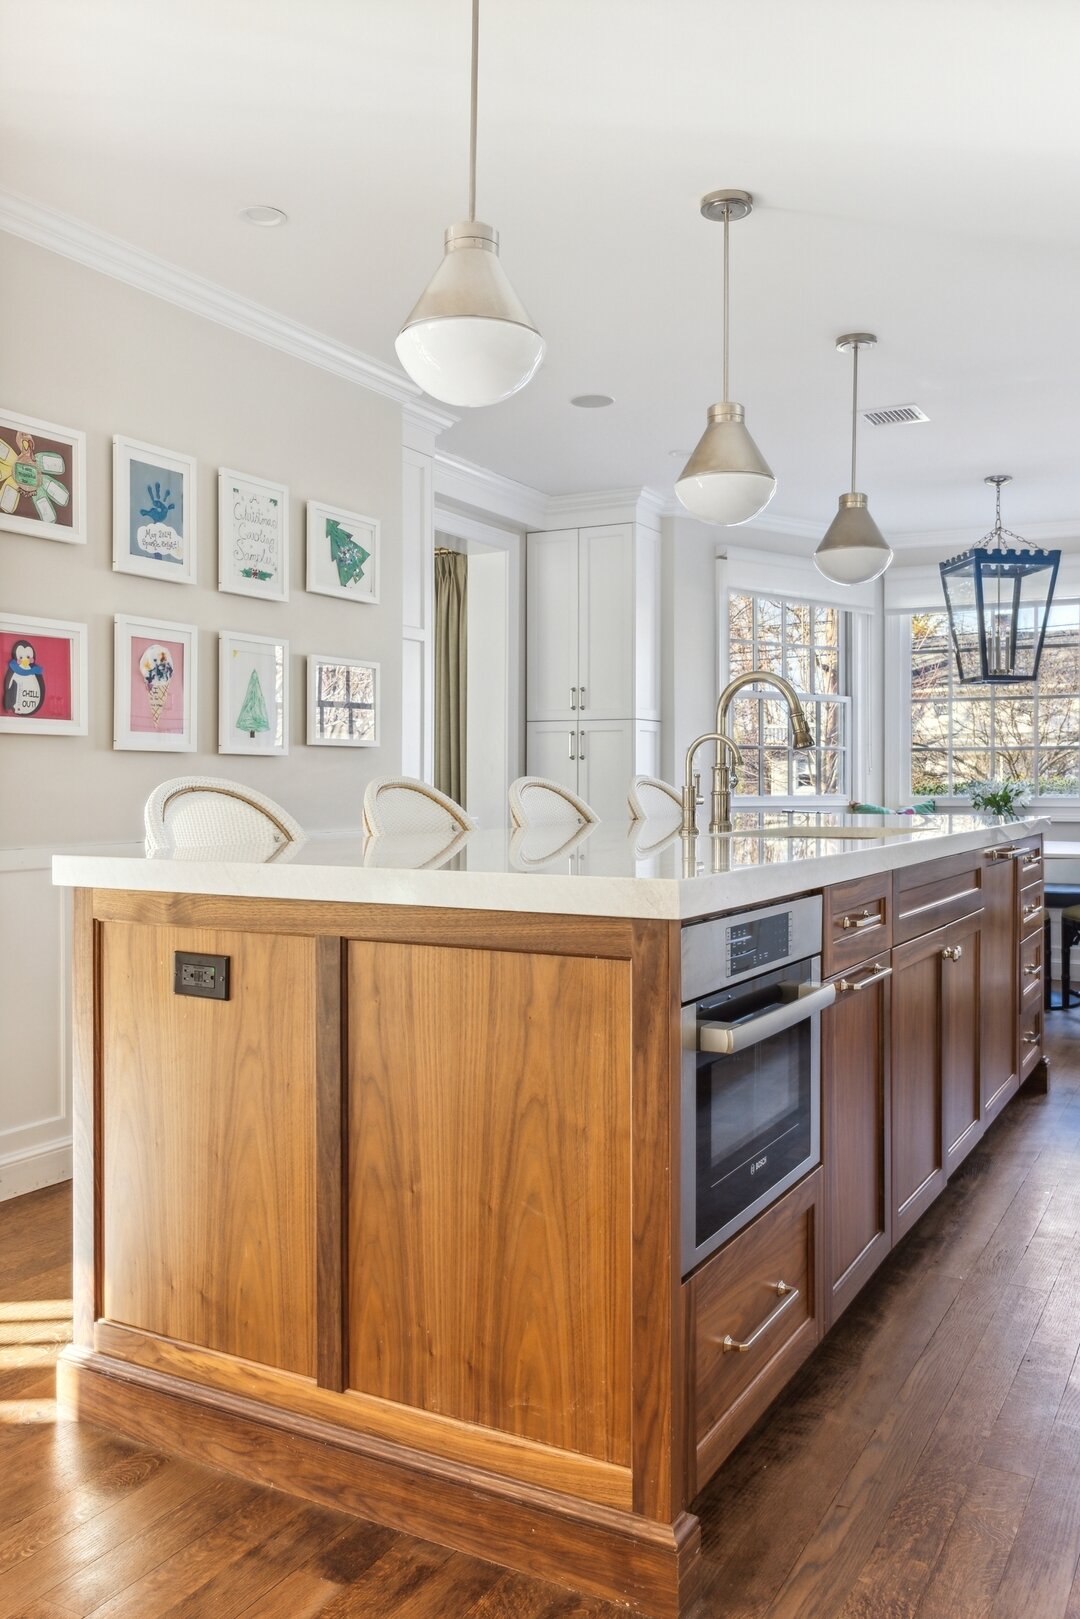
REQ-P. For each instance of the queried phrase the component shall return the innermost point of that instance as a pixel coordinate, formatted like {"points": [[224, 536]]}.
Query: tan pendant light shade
{"points": [[853, 550], [469, 340], [727, 479]]}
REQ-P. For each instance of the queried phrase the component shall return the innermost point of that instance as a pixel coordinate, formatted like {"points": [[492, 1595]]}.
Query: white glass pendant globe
{"points": [[470, 340], [854, 551], [727, 479]]}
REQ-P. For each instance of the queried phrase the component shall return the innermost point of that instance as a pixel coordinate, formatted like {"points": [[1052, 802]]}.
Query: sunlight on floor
{"points": [[20, 1413], [35, 1310]]}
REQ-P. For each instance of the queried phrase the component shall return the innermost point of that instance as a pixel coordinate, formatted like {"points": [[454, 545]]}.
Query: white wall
{"points": [[89, 352]]}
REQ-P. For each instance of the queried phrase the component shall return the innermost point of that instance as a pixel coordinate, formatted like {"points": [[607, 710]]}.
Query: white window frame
{"points": [[795, 579], [898, 719]]}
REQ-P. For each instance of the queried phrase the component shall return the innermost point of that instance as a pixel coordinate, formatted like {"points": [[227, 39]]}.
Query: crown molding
{"points": [[463, 483], [73, 239]]}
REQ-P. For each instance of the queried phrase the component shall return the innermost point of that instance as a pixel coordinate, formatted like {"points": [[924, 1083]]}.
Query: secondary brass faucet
{"points": [[726, 748]]}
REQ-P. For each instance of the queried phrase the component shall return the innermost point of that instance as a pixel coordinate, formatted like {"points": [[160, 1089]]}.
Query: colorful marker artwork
{"points": [[253, 694], [155, 685], [42, 479], [42, 676], [342, 553]]}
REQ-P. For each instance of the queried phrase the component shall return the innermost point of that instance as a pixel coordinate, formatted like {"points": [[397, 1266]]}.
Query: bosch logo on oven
{"points": [[759, 1163]]}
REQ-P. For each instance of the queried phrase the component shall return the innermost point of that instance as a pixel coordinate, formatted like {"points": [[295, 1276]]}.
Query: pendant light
{"points": [[469, 339], [998, 597], [854, 550], [727, 479]]}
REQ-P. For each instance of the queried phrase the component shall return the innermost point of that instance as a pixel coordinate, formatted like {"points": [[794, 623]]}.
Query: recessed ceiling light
{"points": [[592, 401], [262, 214]]}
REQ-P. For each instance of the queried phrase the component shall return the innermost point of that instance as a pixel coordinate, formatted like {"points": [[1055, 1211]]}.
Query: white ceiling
{"points": [[916, 165]]}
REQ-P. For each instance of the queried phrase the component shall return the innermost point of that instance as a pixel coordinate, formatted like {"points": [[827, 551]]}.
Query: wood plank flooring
{"points": [[925, 1464]]}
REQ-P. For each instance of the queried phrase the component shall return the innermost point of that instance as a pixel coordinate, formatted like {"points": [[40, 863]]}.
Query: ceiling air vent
{"points": [[894, 415]]}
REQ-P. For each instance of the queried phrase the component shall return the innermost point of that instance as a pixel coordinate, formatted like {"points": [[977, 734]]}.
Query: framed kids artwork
{"points": [[42, 479], [343, 702], [253, 694], [253, 536], [155, 685], [342, 553], [44, 666], [154, 498]]}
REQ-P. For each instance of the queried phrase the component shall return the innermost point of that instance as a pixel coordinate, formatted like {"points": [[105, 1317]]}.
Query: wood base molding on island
{"points": [[656, 1568]]}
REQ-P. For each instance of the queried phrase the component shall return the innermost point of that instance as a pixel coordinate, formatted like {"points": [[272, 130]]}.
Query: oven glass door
{"points": [[756, 1112]]}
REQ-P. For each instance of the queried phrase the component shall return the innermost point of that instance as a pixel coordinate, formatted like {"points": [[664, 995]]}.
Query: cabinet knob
{"points": [[953, 952]]}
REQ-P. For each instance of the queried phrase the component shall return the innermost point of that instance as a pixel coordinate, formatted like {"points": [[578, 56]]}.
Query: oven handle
{"points": [[726, 1038]]}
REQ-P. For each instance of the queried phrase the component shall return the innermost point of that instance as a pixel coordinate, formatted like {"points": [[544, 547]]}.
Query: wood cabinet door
{"points": [[606, 622], [551, 598], [915, 1056], [960, 1042], [998, 991], [855, 1132]]}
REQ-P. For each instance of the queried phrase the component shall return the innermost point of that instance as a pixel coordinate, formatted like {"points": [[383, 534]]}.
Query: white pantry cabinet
{"points": [[595, 758], [593, 624]]}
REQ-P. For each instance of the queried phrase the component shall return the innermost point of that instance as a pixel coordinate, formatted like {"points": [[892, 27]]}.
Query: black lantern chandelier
{"points": [[998, 597]]}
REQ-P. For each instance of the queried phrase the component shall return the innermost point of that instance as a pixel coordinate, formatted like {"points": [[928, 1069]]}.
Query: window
{"points": [[961, 734], [808, 644]]}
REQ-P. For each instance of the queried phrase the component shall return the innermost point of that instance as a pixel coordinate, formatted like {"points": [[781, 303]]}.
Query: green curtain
{"points": [[451, 634]]}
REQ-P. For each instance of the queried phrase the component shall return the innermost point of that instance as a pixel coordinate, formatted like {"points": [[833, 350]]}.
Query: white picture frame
{"points": [[155, 712], [253, 536], [43, 676], [253, 679], [335, 719], [159, 539], [331, 533], [40, 496]]}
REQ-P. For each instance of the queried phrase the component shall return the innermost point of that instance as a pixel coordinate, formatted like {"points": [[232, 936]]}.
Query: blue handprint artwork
{"points": [[160, 505], [156, 516]]}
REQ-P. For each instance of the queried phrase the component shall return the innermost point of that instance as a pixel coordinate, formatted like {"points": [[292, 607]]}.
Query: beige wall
{"points": [[85, 351]]}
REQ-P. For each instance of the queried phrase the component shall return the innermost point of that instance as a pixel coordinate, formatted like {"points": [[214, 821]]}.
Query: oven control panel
{"points": [[754, 942], [722, 950]]}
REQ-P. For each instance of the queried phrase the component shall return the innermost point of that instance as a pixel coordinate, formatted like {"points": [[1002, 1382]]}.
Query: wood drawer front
{"points": [[1032, 911], [734, 1296], [1029, 865], [929, 896], [1031, 971], [1031, 1034], [857, 922]]}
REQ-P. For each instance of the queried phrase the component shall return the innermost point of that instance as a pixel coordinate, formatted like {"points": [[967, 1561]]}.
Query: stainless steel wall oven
{"points": [[751, 1069]]}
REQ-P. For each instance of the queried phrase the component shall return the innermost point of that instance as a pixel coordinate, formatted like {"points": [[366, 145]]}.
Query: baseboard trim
{"points": [[34, 1167], [654, 1568]]}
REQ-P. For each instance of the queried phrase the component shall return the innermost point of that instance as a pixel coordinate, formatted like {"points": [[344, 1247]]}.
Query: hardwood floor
{"points": [[924, 1464]]}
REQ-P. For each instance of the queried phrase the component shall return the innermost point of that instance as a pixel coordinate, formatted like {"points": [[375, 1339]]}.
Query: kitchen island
{"points": [[378, 1181]]}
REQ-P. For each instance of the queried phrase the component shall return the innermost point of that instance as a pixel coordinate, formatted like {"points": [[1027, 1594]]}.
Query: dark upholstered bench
{"points": [[1063, 897]]}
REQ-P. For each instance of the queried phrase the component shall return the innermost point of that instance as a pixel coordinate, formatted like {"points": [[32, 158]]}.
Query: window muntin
{"points": [[808, 644], [978, 732]]}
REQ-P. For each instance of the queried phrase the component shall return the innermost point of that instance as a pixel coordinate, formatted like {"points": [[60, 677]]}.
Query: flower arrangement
{"points": [[999, 797]]}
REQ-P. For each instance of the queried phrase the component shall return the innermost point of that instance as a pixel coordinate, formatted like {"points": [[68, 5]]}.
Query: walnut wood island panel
{"points": [[396, 1225]]}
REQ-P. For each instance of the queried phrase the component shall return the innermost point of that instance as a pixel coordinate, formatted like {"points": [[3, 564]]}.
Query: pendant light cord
{"points": [[472, 112], [727, 223], [854, 407]]}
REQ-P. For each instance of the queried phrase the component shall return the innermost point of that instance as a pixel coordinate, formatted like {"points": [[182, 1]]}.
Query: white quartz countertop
{"points": [[647, 870]]}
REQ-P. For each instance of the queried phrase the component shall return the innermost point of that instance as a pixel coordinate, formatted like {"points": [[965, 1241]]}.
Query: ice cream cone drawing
{"points": [[156, 668]]}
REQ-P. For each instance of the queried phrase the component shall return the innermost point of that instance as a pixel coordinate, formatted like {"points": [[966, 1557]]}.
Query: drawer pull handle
{"points": [[1031, 1039], [953, 952], [732, 1345], [876, 973], [865, 919], [1030, 860], [1033, 969], [1032, 910], [1004, 851]]}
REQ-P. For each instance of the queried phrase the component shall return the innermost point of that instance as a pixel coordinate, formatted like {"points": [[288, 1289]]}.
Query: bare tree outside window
{"points": [[964, 733], [807, 644]]}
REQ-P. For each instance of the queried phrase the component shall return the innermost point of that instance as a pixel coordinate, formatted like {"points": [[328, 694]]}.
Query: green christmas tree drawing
{"points": [[348, 554], [252, 716]]}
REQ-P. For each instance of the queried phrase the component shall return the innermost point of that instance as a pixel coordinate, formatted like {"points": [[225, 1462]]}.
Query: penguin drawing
{"points": [[24, 681]]}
